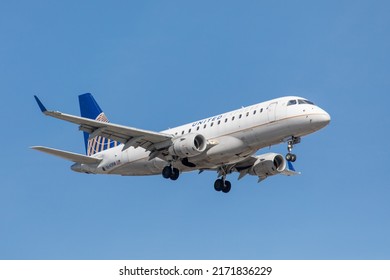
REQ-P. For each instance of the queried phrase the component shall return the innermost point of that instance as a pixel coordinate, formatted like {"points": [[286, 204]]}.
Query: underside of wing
{"points": [[262, 166]]}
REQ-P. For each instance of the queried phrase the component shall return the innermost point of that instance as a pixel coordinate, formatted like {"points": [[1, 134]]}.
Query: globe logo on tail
{"points": [[99, 143]]}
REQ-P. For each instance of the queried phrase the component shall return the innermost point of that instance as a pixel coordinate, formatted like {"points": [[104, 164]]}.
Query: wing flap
{"points": [[67, 155]]}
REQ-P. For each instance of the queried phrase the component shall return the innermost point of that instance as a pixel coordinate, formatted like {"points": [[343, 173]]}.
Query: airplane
{"points": [[224, 143]]}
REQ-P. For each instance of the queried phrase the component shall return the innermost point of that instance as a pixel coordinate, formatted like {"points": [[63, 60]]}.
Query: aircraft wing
{"points": [[68, 155], [129, 136], [244, 167]]}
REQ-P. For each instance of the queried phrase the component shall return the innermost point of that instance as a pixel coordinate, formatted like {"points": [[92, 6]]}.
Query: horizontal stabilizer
{"points": [[68, 155]]}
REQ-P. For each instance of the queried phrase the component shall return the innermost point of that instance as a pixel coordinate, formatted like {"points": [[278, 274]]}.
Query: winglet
{"points": [[290, 166], [290, 170], [41, 106]]}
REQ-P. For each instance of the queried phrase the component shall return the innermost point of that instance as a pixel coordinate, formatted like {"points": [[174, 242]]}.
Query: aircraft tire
{"points": [[218, 185], [175, 174], [293, 158], [227, 187], [167, 172]]}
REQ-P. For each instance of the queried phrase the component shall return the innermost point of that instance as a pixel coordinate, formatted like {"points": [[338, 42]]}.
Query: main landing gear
{"points": [[170, 172], [290, 145], [222, 185]]}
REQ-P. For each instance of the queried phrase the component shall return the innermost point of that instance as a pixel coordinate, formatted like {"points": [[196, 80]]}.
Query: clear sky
{"points": [[158, 64]]}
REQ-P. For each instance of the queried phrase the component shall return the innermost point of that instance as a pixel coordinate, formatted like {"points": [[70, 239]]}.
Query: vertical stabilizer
{"points": [[90, 109]]}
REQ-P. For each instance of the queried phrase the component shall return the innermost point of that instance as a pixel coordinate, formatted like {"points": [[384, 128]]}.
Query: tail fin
{"points": [[90, 109]]}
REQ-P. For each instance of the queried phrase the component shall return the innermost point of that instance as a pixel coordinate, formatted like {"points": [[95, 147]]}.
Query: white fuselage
{"points": [[233, 136]]}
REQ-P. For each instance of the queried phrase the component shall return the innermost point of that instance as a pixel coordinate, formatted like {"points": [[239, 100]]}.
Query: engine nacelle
{"points": [[268, 165], [189, 145]]}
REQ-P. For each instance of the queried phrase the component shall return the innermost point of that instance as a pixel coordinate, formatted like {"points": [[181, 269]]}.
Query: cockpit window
{"points": [[291, 102], [302, 101]]}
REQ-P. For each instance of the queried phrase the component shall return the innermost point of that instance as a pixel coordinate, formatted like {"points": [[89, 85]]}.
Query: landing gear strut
{"points": [[170, 173], [290, 145]]}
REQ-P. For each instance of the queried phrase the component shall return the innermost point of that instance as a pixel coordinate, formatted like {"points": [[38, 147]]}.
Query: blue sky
{"points": [[158, 64]]}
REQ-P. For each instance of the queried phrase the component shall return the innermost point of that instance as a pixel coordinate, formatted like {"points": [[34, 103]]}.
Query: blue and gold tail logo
{"points": [[99, 143], [90, 109]]}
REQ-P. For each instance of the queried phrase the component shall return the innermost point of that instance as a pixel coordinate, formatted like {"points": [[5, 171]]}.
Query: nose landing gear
{"points": [[290, 145]]}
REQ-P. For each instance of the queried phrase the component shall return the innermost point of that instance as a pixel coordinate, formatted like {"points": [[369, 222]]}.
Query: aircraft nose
{"points": [[325, 118], [322, 119]]}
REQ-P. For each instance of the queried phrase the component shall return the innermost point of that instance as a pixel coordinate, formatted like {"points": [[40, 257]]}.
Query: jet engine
{"points": [[189, 145], [268, 165]]}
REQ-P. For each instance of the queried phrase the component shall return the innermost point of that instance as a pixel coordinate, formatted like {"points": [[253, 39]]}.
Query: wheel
{"points": [[218, 185], [227, 187], [175, 174], [288, 157], [293, 158], [167, 172]]}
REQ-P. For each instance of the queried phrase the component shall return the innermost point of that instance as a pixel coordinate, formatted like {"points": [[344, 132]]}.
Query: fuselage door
{"points": [[271, 111]]}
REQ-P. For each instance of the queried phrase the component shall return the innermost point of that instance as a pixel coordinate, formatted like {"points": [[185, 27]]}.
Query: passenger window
{"points": [[212, 124], [197, 128], [226, 120], [291, 102], [261, 110], [182, 132], [254, 112], [240, 116], [247, 114], [219, 122], [189, 131], [233, 118], [205, 126]]}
